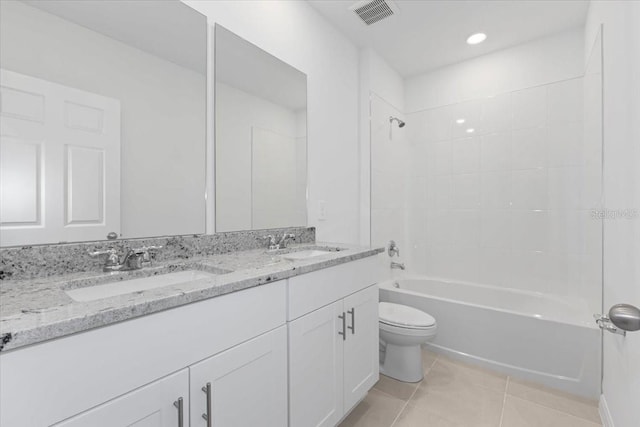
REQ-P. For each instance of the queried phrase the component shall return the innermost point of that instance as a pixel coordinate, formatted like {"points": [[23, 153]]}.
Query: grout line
{"points": [[574, 399], [435, 359], [385, 393], [554, 410], [405, 405], [504, 400]]}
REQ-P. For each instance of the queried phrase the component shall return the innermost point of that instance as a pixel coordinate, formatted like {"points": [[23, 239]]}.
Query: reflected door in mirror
{"points": [[59, 162]]}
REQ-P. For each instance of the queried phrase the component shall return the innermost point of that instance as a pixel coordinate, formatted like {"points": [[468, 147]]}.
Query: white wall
{"points": [[541, 61], [163, 132], [294, 32], [238, 115], [381, 96], [621, 37]]}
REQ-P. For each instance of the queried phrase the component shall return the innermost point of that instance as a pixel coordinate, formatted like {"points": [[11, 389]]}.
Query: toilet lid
{"points": [[402, 315]]}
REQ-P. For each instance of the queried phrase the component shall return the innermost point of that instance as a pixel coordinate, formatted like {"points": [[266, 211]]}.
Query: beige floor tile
{"points": [[583, 408], [524, 413], [471, 374], [378, 409], [418, 416], [395, 388], [450, 395], [428, 359]]}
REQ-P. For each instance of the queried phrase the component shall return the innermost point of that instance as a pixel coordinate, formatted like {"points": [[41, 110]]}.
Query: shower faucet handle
{"points": [[393, 249]]}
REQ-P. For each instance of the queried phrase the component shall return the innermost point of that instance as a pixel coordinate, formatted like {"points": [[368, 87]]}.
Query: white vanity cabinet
{"points": [[297, 352], [163, 403], [333, 348], [131, 372], [243, 386]]}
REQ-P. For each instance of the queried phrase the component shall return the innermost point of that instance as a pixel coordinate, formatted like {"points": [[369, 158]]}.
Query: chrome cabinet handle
{"points": [[352, 312], [180, 405], [207, 415], [344, 324]]}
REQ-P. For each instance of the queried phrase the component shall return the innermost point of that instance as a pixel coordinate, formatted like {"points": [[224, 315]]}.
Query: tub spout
{"points": [[399, 265]]}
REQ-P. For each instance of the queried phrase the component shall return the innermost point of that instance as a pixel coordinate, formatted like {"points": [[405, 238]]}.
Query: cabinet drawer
{"points": [[311, 291]]}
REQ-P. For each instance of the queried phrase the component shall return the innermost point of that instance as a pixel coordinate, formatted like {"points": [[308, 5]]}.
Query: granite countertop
{"points": [[36, 310]]}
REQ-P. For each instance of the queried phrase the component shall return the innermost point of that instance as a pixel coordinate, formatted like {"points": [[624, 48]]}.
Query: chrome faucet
{"points": [[285, 238], [133, 259], [275, 244], [399, 265]]}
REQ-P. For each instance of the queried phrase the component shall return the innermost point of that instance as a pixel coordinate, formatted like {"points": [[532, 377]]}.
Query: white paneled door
{"points": [[59, 162]]}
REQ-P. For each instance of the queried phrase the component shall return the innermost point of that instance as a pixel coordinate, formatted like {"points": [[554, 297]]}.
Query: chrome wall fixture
{"points": [[393, 249], [400, 122]]}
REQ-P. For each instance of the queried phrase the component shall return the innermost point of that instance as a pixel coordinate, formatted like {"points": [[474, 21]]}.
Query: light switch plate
{"points": [[322, 210]]}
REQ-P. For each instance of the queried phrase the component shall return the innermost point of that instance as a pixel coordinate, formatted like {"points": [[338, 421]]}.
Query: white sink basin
{"points": [[305, 254], [92, 293]]}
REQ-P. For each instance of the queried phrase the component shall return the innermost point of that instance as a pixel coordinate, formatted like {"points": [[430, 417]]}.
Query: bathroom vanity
{"points": [[217, 330], [269, 339]]}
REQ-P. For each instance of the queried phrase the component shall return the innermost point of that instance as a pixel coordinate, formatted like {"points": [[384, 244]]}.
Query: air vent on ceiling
{"points": [[372, 11]]}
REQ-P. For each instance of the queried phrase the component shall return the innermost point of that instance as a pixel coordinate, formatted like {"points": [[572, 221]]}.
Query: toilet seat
{"points": [[408, 332], [404, 317]]}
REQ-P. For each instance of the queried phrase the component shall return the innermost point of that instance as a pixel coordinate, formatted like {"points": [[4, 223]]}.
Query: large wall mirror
{"points": [[260, 138], [103, 120]]}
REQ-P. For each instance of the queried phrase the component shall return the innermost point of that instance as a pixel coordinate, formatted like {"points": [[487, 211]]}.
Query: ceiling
{"points": [[159, 27], [428, 34]]}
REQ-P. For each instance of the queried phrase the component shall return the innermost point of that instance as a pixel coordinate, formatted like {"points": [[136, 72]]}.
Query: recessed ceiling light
{"points": [[460, 121], [471, 130], [476, 38]]}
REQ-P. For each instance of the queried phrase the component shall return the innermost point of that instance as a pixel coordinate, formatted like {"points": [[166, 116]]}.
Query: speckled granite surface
{"points": [[30, 262], [38, 309]]}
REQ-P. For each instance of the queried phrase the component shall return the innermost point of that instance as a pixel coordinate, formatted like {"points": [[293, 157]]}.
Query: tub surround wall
{"points": [[507, 195], [507, 203], [31, 262]]}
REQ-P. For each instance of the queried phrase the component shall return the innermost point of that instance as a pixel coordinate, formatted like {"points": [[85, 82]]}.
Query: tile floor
{"points": [[457, 394]]}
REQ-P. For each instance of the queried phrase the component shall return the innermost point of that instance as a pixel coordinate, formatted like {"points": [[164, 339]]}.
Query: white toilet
{"points": [[403, 330]]}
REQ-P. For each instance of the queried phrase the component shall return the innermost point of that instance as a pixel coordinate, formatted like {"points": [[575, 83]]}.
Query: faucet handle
{"points": [[393, 249], [144, 252], [112, 256]]}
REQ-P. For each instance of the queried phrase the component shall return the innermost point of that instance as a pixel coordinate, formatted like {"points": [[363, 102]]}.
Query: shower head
{"points": [[400, 122]]}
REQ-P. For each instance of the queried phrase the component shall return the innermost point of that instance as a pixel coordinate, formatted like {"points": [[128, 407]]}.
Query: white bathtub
{"points": [[537, 337]]}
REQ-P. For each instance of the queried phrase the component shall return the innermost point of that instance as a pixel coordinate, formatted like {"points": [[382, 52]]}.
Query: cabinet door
{"points": [[315, 367], [149, 406], [247, 384], [361, 368]]}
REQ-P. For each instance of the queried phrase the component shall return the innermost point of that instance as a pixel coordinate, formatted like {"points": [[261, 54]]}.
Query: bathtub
{"points": [[549, 340]]}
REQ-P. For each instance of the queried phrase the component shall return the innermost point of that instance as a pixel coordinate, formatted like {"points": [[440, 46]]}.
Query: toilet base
{"points": [[403, 363]]}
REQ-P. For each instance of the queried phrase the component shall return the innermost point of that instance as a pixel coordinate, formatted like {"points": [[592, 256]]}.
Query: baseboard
{"points": [[605, 415]]}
